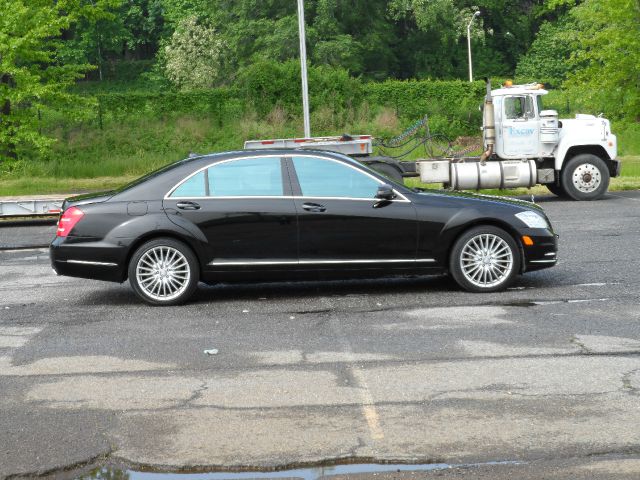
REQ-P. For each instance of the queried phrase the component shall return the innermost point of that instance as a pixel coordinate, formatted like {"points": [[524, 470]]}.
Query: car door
{"points": [[520, 126], [244, 211], [341, 224]]}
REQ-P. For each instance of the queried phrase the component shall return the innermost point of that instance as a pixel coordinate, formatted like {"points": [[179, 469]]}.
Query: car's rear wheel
{"points": [[164, 271], [484, 259]]}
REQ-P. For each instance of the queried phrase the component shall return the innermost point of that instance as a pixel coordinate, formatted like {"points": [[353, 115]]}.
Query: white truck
{"points": [[523, 145]]}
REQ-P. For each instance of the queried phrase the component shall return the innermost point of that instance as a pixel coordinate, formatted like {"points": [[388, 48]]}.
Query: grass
{"points": [[64, 186], [87, 158]]}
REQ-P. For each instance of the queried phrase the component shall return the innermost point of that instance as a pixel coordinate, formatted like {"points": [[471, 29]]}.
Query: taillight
{"points": [[68, 220]]}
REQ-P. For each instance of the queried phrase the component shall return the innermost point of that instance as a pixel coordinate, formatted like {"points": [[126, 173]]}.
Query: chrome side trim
{"points": [[320, 262], [87, 262], [553, 260], [290, 197], [232, 263]]}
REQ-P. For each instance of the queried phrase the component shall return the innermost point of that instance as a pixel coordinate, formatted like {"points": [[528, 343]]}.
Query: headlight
{"points": [[532, 219]]}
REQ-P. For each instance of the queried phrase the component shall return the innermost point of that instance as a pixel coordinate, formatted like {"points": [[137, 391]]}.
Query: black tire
{"points": [[388, 171], [585, 177], [168, 265], [506, 249], [557, 190]]}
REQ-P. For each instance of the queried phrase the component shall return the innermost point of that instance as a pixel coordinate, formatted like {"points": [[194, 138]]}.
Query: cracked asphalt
{"points": [[413, 370]]}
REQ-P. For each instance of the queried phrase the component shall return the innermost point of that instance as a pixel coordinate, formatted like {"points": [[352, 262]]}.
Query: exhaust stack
{"points": [[488, 123]]}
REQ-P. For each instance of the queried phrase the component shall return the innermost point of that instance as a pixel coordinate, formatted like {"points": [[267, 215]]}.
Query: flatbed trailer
{"points": [[27, 206], [359, 147]]}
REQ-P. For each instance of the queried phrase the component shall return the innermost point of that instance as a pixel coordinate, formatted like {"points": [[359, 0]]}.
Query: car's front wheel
{"points": [[484, 259], [164, 271]]}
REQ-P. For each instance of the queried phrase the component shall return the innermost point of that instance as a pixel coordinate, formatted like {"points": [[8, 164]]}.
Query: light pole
{"points": [[477, 14], [303, 69]]}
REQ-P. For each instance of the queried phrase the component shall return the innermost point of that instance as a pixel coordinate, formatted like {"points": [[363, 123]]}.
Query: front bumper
{"points": [[544, 251], [615, 166]]}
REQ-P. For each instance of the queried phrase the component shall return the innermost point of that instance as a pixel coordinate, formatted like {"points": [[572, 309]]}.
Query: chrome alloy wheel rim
{"points": [[587, 178], [163, 273], [486, 260]]}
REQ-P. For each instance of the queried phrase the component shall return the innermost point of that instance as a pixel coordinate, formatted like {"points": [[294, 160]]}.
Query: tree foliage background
{"points": [[589, 47]]}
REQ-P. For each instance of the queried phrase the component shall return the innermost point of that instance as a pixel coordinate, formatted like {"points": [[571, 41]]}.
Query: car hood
{"points": [[86, 198], [470, 198]]}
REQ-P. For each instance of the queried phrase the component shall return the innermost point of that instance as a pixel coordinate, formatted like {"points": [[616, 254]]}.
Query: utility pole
{"points": [[477, 14], [303, 69]]}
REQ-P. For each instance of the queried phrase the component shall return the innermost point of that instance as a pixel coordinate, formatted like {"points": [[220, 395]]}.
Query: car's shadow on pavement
{"points": [[297, 289], [410, 286], [123, 294]]}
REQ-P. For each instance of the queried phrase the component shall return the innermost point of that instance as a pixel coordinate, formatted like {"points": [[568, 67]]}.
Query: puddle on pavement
{"points": [[310, 473]]}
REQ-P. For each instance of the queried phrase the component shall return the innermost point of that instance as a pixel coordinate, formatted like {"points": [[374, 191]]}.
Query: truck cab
{"points": [[525, 130], [517, 117]]}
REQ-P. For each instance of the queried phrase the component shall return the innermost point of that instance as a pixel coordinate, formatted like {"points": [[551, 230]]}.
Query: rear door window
{"points": [[246, 177]]}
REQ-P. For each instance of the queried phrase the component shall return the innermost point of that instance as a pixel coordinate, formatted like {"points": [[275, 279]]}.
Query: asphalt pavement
{"points": [[540, 381]]}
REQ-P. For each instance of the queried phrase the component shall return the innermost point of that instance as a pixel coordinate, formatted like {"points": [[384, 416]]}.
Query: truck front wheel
{"points": [[585, 177]]}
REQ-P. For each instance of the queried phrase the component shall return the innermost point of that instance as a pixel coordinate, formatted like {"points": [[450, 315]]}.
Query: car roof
{"points": [[269, 151]]}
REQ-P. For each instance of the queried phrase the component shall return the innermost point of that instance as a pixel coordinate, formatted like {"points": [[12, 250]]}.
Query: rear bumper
{"points": [[93, 260]]}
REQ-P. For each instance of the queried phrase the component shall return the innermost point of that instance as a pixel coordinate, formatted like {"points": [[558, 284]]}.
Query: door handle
{"points": [[314, 207], [188, 206]]}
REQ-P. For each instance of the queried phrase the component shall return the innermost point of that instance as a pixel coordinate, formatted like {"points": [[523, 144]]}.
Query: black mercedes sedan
{"points": [[250, 216]]}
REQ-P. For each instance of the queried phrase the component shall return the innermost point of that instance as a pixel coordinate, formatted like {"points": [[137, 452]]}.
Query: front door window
{"points": [[324, 178]]}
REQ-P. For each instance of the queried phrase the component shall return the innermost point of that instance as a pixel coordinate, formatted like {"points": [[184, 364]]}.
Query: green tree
{"points": [[196, 56], [33, 76], [607, 63], [548, 58]]}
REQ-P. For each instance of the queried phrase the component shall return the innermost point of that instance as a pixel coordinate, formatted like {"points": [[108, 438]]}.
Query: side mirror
{"points": [[385, 192]]}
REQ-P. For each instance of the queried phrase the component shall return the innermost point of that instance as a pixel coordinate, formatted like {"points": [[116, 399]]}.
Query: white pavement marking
{"points": [[366, 399]]}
